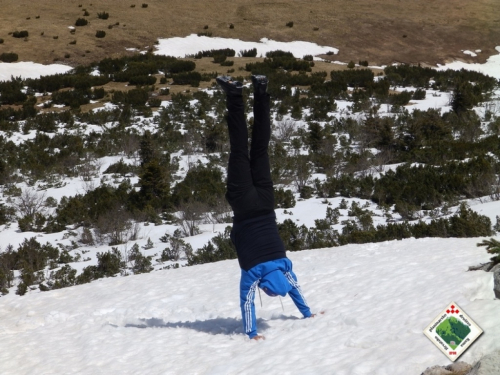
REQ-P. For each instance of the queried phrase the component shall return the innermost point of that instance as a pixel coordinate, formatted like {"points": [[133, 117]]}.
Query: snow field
{"points": [[377, 299]]}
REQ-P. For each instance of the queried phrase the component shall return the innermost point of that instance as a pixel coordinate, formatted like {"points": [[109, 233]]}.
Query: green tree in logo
{"points": [[452, 331]]}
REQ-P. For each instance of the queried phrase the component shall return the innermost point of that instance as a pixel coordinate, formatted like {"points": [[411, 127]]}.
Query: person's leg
{"points": [[261, 135], [239, 177]]}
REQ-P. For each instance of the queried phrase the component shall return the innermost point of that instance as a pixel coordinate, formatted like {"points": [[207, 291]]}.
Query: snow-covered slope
{"points": [[377, 299]]}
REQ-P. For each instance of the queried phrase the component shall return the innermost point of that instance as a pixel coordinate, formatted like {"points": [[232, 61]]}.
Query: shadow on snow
{"points": [[217, 326]]}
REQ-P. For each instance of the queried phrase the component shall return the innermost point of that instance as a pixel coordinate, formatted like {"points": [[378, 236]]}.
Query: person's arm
{"points": [[248, 287], [297, 296]]}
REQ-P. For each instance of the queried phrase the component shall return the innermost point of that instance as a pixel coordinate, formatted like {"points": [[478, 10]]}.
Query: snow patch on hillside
{"points": [[491, 67], [28, 69], [191, 44]]}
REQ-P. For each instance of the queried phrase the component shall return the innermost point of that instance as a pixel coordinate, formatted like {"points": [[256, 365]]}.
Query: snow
{"points": [[191, 44], [377, 299], [467, 52], [491, 67], [26, 69]]}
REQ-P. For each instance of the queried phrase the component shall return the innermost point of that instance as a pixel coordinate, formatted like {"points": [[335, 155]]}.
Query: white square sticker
{"points": [[453, 331]]}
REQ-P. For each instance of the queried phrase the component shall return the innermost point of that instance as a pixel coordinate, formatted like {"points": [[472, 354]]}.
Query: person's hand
{"points": [[258, 337], [313, 315]]}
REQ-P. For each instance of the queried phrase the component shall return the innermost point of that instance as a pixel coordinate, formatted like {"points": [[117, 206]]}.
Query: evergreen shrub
{"points": [[353, 77], [98, 93], [154, 102], [135, 98], [218, 248], [100, 34], [109, 264], [62, 278], [81, 22], [120, 168], [249, 53], [228, 52], [419, 94], [218, 59], [11, 92], [103, 15], [20, 34], [71, 98], [283, 198], [187, 78], [402, 98], [201, 184], [142, 80], [9, 57]]}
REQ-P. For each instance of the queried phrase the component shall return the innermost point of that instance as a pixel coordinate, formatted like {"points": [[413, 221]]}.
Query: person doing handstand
{"points": [[261, 252]]}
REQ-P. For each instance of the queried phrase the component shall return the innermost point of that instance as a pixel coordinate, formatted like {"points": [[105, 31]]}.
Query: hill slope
{"points": [[381, 32], [378, 298]]}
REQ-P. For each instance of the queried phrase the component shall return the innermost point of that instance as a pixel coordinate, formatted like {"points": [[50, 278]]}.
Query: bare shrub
{"points": [[90, 168], [130, 144], [495, 189], [30, 202], [285, 129], [86, 237], [115, 226], [190, 215], [303, 171], [221, 213], [88, 171]]}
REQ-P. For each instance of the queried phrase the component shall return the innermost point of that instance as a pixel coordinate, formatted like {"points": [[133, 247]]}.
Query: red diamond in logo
{"points": [[448, 311]]}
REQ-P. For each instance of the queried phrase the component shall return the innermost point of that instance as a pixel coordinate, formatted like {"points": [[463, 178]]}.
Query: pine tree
{"points": [[147, 151], [155, 187], [492, 247], [462, 98]]}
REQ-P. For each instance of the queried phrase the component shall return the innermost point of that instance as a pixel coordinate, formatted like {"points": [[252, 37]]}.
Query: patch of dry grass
{"points": [[380, 31]]}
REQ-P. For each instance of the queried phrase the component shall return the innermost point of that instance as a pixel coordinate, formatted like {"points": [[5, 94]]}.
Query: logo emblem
{"points": [[453, 331]]}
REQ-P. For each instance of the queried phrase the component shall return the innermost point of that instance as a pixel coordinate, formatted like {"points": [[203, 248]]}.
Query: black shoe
{"points": [[259, 84], [229, 86]]}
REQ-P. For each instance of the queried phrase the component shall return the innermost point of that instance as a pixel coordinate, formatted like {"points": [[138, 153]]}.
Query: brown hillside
{"points": [[380, 31]]}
